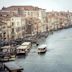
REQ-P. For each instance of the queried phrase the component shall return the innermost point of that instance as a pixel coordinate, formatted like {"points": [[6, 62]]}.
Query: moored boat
{"points": [[12, 67], [7, 53], [23, 48], [28, 44]]}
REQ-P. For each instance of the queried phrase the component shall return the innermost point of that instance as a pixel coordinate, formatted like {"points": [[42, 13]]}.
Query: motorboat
{"points": [[42, 48]]}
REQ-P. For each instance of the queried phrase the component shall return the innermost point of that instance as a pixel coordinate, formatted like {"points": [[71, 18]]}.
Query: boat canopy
{"points": [[22, 47], [42, 46], [26, 43]]}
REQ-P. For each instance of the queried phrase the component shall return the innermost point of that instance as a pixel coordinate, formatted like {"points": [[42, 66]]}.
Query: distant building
{"points": [[57, 20]]}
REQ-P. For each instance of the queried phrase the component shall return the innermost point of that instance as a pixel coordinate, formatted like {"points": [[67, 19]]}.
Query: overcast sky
{"points": [[49, 5]]}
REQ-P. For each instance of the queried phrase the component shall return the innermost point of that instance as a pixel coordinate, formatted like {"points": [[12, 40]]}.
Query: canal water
{"points": [[58, 57]]}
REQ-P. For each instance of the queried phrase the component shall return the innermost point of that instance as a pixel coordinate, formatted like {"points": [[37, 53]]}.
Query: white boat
{"points": [[28, 44], [42, 48], [21, 49], [24, 48]]}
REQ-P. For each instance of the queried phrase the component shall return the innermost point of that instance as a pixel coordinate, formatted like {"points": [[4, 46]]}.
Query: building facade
{"points": [[14, 26], [28, 12], [57, 20]]}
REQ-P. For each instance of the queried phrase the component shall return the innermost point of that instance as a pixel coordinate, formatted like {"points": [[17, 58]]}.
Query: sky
{"points": [[49, 5]]}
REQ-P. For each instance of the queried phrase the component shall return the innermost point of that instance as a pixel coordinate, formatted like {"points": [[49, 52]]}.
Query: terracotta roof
{"points": [[22, 8]]}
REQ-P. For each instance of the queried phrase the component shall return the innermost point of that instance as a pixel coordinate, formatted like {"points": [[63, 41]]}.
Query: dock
{"points": [[12, 67]]}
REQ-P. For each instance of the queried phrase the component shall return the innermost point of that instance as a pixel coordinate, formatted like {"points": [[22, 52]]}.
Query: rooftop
{"points": [[13, 8], [26, 43], [12, 66], [22, 47]]}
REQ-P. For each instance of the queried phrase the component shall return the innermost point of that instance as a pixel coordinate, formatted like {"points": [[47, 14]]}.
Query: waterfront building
{"points": [[19, 26], [28, 11], [57, 20], [33, 26], [3, 29], [14, 26]]}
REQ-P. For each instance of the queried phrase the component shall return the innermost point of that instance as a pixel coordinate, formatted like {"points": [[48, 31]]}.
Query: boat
{"points": [[42, 48], [28, 44], [7, 53], [23, 48], [12, 67]]}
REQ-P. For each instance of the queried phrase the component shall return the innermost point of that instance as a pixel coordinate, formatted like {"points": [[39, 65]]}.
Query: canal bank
{"points": [[56, 59]]}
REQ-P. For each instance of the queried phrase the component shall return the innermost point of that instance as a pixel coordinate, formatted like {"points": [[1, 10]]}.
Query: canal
{"points": [[58, 57]]}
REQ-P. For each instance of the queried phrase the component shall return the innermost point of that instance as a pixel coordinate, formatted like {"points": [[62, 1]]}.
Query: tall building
{"points": [[18, 26], [3, 30], [28, 12], [14, 26]]}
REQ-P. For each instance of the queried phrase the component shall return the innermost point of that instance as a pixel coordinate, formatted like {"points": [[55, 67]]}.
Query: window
{"points": [[7, 15], [17, 23], [23, 27], [4, 34], [12, 37], [31, 13], [38, 14], [3, 27], [18, 29], [23, 50], [12, 23], [12, 19], [4, 38], [28, 13], [0, 14], [0, 35], [12, 30]]}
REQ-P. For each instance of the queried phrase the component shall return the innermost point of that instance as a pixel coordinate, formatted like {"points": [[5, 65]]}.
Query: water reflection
{"points": [[22, 56]]}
